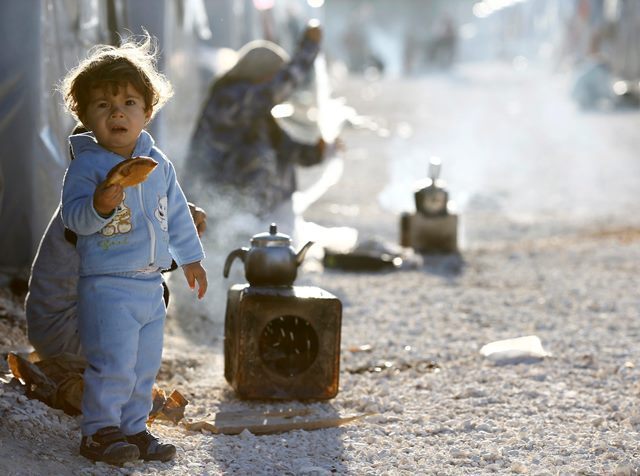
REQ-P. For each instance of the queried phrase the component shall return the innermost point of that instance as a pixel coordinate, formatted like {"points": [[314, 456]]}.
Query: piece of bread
{"points": [[131, 172]]}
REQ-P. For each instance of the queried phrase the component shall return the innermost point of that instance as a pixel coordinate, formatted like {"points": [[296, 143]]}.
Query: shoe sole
{"points": [[118, 457], [163, 458]]}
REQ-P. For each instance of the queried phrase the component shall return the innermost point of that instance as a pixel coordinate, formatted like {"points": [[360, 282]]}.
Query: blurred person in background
{"points": [[593, 82], [443, 48], [239, 155], [51, 305]]}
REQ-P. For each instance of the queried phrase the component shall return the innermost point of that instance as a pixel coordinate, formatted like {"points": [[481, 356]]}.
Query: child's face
{"points": [[116, 119]]}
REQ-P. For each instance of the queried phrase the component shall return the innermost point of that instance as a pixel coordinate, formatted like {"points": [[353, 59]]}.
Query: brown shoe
{"points": [[150, 447], [109, 445]]}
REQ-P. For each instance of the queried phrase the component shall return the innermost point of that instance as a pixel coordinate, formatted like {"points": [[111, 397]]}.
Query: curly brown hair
{"points": [[106, 66]]}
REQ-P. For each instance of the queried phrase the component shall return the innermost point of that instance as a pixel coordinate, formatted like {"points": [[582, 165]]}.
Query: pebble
{"points": [[313, 471], [519, 468]]}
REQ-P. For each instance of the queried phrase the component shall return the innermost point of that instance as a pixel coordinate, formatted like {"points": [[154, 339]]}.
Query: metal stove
{"points": [[434, 226], [280, 341]]}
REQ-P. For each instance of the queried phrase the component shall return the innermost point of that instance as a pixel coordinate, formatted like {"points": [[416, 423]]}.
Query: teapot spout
{"points": [[301, 254], [237, 253]]}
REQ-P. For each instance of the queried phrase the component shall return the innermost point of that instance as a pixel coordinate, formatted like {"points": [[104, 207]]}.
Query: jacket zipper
{"points": [[152, 234]]}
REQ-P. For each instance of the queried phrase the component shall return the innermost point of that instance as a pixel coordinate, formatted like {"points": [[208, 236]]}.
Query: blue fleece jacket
{"points": [[152, 224]]}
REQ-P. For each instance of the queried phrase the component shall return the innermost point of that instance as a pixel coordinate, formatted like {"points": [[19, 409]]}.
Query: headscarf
{"points": [[257, 59]]}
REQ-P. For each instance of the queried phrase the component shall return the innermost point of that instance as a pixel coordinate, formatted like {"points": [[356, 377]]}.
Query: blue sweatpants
{"points": [[121, 324]]}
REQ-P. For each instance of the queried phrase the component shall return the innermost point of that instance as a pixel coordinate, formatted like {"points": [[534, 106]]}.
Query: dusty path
{"points": [[565, 268]]}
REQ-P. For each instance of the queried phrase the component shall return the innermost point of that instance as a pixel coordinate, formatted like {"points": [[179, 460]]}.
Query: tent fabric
{"points": [[19, 77]]}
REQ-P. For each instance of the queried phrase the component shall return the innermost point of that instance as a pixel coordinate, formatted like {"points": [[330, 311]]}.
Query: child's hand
{"points": [[195, 272], [106, 199]]}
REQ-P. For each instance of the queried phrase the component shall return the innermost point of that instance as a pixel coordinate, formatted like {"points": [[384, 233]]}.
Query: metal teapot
{"points": [[271, 261], [432, 198]]}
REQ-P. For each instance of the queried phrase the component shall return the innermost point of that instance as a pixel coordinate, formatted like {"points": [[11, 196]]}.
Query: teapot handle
{"points": [[237, 253]]}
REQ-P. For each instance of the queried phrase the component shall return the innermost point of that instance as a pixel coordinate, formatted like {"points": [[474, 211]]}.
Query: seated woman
{"points": [[239, 155]]}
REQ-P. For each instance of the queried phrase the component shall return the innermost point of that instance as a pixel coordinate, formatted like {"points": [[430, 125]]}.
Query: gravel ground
{"points": [[411, 338]]}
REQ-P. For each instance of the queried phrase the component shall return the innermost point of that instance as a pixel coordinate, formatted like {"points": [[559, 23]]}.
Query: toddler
{"points": [[126, 237]]}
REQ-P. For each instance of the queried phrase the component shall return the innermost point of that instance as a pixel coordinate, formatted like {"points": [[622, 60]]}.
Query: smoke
{"points": [[513, 145], [229, 226]]}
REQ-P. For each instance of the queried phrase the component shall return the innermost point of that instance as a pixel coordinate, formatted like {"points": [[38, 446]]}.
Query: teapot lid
{"points": [[271, 238]]}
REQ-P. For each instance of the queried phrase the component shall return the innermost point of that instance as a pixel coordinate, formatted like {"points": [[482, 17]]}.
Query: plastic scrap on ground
{"points": [[525, 349]]}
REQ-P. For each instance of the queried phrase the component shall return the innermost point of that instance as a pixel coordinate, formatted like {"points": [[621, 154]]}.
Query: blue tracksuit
{"points": [[120, 306]]}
